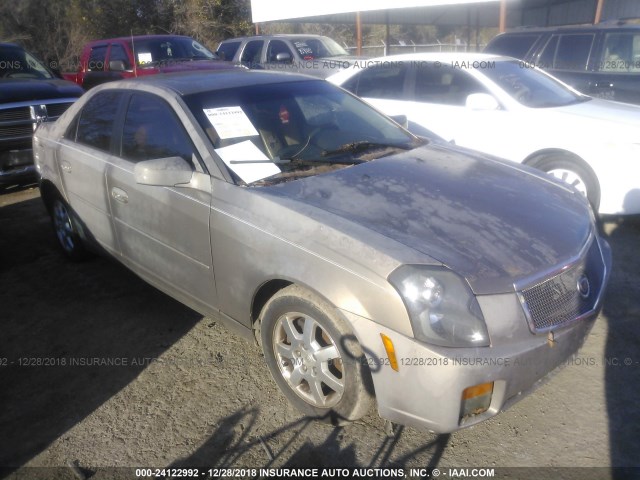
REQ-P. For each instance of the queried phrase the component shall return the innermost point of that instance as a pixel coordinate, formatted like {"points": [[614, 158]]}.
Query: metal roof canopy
{"points": [[479, 13]]}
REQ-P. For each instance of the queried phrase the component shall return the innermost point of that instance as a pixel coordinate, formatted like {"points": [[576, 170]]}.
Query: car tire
{"points": [[572, 170], [314, 357], [65, 227]]}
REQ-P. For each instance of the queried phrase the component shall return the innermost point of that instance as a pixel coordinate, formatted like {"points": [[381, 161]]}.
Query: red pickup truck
{"points": [[116, 58]]}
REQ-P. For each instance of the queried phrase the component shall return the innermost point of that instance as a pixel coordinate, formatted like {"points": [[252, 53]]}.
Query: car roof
{"points": [[445, 57], [275, 35], [612, 25], [188, 83], [136, 37]]}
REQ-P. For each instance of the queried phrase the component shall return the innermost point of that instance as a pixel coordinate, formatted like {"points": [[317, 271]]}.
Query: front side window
{"points": [[445, 85], [277, 47], [118, 53], [152, 130], [95, 125]]}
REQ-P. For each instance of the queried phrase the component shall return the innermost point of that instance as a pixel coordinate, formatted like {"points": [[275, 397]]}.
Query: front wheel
{"points": [[570, 169], [314, 357], [64, 226]]}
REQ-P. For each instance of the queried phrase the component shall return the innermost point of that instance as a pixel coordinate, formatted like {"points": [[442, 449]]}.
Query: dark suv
{"points": [[29, 93], [600, 60]]}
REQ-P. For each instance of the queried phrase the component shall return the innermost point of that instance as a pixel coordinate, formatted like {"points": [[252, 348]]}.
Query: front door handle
{"points": [[65, 166], [119, 195]]}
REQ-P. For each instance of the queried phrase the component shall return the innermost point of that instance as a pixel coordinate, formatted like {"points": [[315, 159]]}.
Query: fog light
{"points": [[476, 399], [391, 351]]}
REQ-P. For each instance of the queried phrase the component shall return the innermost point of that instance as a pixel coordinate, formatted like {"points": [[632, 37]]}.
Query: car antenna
{"points": [[135, 61]]}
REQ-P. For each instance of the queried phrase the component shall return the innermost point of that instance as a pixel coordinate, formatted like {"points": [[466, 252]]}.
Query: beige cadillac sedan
{"points": [[372, 266]]}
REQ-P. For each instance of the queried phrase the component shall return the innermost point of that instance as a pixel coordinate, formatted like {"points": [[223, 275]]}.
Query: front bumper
{"points": [[17, 165], [426, 391]]}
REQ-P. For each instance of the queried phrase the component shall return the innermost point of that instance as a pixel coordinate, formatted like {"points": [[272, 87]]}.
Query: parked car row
{"points": [[599, 60], [496, 105]]}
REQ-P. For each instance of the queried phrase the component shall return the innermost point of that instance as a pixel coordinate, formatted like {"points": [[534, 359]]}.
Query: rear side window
{"points": [[252, 53], [512, 45], [95, 126], [97, 58], [383, 81], [445, 85], [573, 52], [227, 50], [621, 52]]}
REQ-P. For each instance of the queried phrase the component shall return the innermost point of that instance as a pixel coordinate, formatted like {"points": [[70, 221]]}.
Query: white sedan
{"points": [[504, 107]]}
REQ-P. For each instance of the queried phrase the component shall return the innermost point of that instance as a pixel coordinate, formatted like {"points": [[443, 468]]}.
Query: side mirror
{"points": [[283, 57], [163, 172], [117, 66], [482, 101], [401, 120]]}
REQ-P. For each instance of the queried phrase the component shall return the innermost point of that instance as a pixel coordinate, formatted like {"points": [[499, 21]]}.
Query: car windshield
{"points": [[531, 87], [151, 51], [16, 63], [318, 47], [271, 133]]}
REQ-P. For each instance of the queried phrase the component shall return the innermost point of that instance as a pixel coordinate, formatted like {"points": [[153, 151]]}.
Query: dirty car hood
{"points": [[492, 222]]}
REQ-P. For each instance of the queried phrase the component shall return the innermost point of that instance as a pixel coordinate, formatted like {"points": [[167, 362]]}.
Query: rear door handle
{"points": [[65, 166], [119, 195]]}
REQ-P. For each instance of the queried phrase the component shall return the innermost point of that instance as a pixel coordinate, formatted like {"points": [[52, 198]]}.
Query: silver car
{"points": [[371, 265]]}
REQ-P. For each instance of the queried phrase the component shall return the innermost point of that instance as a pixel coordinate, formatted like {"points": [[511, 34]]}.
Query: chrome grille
{"points": [[13, 132], [13, 114], [558, 300], [17, 124]]}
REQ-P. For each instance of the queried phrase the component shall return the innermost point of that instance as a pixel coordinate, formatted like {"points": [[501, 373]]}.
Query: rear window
{"points": [[568, 51], [621, 52], [227, 50], [512, 45]]}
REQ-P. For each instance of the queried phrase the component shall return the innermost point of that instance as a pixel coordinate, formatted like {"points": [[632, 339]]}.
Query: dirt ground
{"points": [[184, 391]]}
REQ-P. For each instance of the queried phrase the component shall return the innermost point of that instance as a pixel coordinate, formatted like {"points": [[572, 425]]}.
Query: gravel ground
{"points": [[182, 390]]}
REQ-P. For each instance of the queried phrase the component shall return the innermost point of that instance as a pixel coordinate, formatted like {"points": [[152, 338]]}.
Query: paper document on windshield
{"points": [[230, 122], [242, 155]]}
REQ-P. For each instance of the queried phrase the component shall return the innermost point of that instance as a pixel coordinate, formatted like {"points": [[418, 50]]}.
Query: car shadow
{"points": [[66, 346], [622, 357], [236, 440]]}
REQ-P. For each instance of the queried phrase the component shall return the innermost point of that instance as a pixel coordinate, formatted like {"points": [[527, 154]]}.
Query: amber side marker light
{"points": [[391, 351], [476, 399]]}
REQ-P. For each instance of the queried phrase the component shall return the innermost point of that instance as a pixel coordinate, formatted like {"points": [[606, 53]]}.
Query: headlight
{"points": [[442, 308]]}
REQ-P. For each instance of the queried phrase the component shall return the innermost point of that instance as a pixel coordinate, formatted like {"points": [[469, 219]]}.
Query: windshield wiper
{"points": [[356, 147]]}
